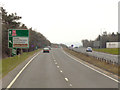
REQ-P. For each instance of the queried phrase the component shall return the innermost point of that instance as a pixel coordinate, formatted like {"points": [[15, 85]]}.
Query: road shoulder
{"points": [[12, 74]]}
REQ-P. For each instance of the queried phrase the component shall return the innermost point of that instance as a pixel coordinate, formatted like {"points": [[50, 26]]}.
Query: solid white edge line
{"points": [[93, 68], [9, 86]]}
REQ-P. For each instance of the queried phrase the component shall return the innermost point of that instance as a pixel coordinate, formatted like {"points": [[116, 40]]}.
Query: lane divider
{"points": [[53, 56], [56, 63], [66, 79], [61, 71], [70, 85], [13, 81], [92, 68], [58, 66]]}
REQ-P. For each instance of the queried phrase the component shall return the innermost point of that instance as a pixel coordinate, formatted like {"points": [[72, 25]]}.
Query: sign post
{"points": [[14, 50], [18, 38], [36, 47]]}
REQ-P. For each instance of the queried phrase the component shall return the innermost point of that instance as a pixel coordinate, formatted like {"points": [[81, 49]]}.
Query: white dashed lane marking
{"points": [[71, 85], [66, 79], [61, 71], [57, 66], [56, 63]]}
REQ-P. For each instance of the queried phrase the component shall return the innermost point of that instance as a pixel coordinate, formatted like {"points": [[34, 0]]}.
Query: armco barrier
{"points": [[109, 61]]}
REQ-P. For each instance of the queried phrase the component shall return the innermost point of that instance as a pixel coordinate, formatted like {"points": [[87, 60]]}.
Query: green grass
{"points": [[114, 51], [0, 69], [10, 63]]}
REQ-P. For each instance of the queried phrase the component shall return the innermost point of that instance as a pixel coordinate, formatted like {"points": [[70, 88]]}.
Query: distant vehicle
{"points": [[49, 47], [89, 49], [76, 47], [46, 50]]}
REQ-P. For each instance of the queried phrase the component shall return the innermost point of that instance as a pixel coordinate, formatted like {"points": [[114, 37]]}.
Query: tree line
{"points": [[100, 41], [11, 21]]}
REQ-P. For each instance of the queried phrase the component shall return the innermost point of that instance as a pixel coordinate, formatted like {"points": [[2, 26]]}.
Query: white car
{"points": [[89, 49]]}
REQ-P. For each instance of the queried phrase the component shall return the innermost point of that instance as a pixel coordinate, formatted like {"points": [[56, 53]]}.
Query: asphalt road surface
{"points": [[106, 56], [58, 70]]}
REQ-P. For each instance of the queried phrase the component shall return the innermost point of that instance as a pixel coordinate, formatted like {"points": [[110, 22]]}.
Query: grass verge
{"points": [[108, 50], [101, 64], [10, 63]]}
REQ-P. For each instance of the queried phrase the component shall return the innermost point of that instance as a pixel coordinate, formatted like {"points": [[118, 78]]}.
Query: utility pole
{"points": [[0, 47], [0, 33], [101, 38]]}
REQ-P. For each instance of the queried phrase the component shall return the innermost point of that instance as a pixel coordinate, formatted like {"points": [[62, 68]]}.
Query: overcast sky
{"points": [[66, 21]]}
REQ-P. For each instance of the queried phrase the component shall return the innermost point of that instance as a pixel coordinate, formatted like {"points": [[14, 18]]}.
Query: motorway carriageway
{"points": [[58, 69]]}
